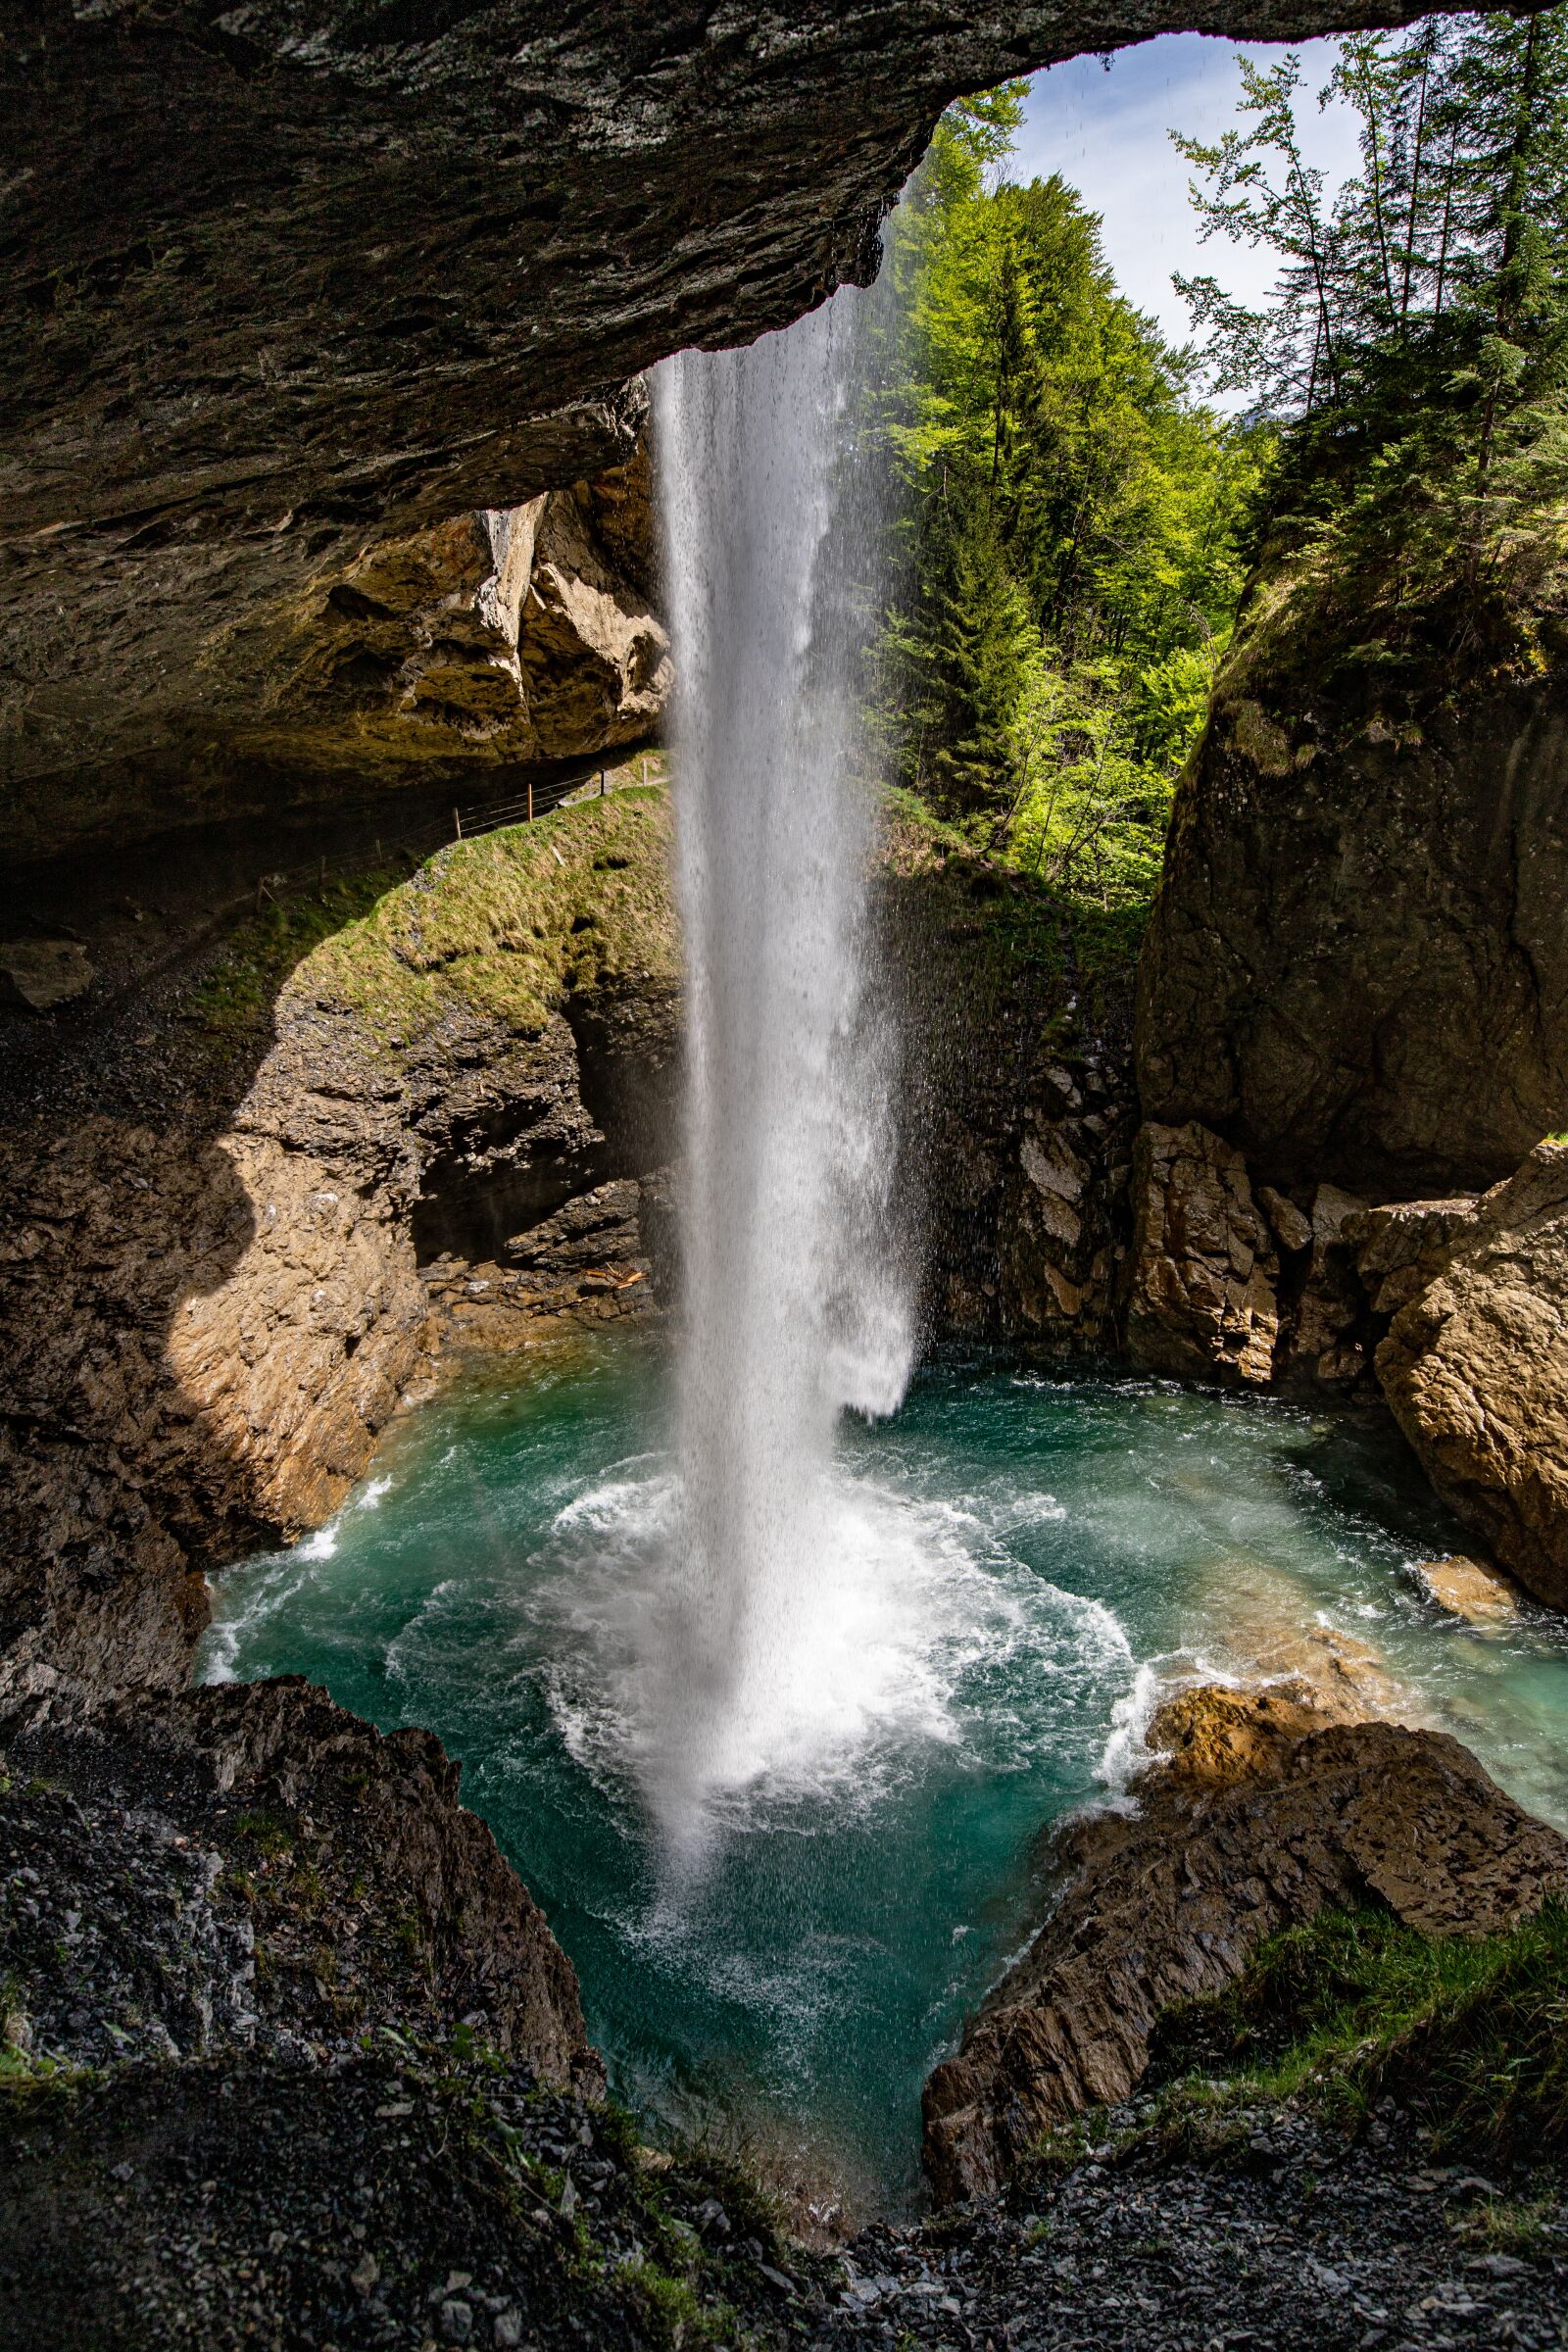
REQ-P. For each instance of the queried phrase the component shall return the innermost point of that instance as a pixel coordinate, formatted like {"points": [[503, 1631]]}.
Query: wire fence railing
{"points": [[419, 842]]}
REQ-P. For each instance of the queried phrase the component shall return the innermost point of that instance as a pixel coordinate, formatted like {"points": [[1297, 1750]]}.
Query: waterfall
{"points": [[793, 1307]]}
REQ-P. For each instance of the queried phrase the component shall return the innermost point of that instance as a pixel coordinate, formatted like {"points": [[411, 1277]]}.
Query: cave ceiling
{"points": [[285, 277]]}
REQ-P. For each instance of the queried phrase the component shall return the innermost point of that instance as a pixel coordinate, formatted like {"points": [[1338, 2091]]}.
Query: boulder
{"points": [[1255, 1830], [1475, 1367], [1202, 1298], [1401, 1247], [42, 973], [1469, 1589]]}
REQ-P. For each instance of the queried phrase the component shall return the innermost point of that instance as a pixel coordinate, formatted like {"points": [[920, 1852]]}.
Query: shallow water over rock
{"points": [[1021, 1562]]}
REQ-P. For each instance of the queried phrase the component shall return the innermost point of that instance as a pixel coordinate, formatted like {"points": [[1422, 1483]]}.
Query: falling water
{"points": [[794, 1307]]}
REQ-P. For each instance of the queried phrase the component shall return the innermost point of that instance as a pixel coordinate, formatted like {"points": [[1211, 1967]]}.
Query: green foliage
{"points": [[1070, 559], [1471, 2033], [1415, 347]]}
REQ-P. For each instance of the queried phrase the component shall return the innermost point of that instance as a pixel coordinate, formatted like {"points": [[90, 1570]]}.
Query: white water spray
{"points": [[794, 1307]]}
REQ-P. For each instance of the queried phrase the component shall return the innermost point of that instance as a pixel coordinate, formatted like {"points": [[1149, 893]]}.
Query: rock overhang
{"points": [[291, 277]]}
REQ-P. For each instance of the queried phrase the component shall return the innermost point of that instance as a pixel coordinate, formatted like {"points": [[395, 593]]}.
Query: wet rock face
{"points": [[288, 280], [1260, 1831], [1063, 1215], [1356, 968], [1474, 1365], [207, 1333]]}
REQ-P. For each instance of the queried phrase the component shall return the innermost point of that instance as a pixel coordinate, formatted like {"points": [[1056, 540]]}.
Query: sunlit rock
{"points": [[1476, 1369], [1202, 1302], [1172, 1904], [1469, 1589]]}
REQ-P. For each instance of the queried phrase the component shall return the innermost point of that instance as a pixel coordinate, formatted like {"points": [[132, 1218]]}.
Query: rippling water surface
{"points": [[1016, 1563]]}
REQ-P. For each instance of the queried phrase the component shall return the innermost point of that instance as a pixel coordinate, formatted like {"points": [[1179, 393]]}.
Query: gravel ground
{"points": [[1292, 2235], [409, 2200]]}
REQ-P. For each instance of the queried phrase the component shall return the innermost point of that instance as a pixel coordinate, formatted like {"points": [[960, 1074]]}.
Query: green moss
{"points": [[511, 923], [269, 1833], [269, 945], [676, 2314], [506, 924]]}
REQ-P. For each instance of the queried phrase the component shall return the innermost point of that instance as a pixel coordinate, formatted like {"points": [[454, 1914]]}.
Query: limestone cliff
{"points": [[232, 1238], [1356, 970]]}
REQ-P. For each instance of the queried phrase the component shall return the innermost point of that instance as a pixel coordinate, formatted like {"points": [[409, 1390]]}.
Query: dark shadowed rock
{"points": [[1356, 968], [252, 1868], [1258, 1833]]}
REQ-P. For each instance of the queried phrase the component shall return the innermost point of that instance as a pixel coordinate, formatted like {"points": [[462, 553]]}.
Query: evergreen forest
{"points": [[1380, 488]]}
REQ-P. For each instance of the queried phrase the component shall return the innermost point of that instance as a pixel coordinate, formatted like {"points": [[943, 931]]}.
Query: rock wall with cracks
{"points": [[290, 278], [240, 1237]]}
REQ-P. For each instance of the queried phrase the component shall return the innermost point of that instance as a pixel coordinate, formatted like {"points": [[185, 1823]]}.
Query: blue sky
{"points": [[1107, 133]]}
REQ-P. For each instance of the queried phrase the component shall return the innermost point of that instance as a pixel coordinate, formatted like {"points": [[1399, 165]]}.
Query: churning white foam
{"points": [[852, 1680]]}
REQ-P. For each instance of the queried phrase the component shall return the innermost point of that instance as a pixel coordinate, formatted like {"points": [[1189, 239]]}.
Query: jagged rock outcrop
{"points": [[1255, 1834], [507, 638], [1356, 971], [1062, 1230], [249, 1868], [214, 1304], [287, 280], [1201, 1277], [1475, 1364]]}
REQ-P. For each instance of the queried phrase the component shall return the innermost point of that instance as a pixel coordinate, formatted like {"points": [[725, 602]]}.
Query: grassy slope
{"points": [[507, 925], [1468, 2034]]}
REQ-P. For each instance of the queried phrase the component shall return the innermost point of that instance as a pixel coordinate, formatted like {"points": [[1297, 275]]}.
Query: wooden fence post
{"points": [[530, 800], [457, 825]]}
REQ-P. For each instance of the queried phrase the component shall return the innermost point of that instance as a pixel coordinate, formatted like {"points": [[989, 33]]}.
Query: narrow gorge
{"points": [[784, 1258]]}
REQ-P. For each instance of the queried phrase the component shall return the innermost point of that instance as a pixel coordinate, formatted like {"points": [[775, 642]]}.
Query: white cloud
{"points": [[1106, 132]]}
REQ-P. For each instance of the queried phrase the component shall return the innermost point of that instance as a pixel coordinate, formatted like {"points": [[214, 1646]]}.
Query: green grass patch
{"points": [[270, 943], [512, 923], [1470, 2033], [505, 925]]}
